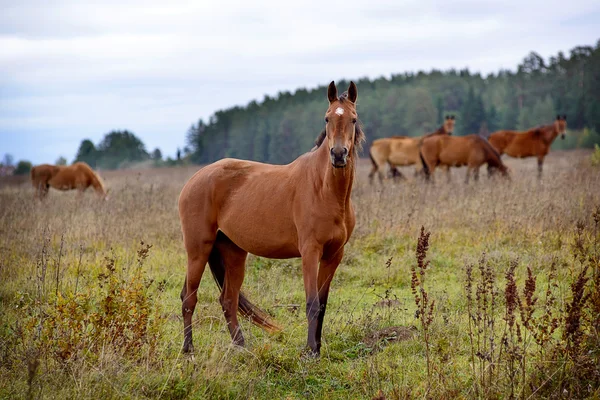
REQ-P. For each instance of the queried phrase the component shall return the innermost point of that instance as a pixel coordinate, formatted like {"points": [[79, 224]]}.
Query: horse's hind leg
{"points": [[372, 173], [476, 174], [198, 246], [540, 166], [233, 261]]}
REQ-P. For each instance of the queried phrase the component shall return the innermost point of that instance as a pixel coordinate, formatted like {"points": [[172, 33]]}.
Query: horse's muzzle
{"points": [[562, 136], [339, 157]]}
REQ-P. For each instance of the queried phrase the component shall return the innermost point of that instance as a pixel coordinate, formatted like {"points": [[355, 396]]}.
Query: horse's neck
{"points": [[335, 181], [549, 133], [97, 185], [439, 131]]}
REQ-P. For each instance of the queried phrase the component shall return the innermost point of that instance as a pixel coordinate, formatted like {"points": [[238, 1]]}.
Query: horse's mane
{"points": [[359, 137], [541, 128], [438, 131]]}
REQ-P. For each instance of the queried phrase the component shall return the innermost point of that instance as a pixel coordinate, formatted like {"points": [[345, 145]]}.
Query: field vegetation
{"points": [[486, 290]]}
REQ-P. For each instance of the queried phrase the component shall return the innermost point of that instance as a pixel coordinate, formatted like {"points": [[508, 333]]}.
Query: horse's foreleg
{"points": [[448, 174], [326, 271], [310, 266], [396, 174], [234, 260], [476, 174], [469, 169], [198, 250], [540, 166]]}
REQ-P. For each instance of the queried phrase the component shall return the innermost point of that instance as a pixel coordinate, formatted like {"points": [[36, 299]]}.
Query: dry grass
{"points": [[88, 312]]}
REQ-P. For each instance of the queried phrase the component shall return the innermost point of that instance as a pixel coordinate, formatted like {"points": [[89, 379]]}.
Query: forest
{"points": [[278, 129]]}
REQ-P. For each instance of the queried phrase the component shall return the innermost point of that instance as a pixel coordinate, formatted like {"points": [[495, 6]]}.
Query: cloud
{"points": [[76, 69]]}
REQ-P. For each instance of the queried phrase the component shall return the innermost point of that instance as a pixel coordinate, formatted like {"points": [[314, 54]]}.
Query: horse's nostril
{"points": [[345, 151]]}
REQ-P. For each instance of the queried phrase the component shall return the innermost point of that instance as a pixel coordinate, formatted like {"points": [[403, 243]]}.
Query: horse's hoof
{"points": [[309, 354], [188, 348]]}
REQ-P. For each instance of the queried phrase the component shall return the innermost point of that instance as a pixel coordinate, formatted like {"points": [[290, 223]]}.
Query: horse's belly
{"points": [[519, 150], [261, 238], [402, 159]]}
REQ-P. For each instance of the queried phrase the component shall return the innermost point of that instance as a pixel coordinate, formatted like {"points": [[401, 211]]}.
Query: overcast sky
{"points": [[71, 70]]}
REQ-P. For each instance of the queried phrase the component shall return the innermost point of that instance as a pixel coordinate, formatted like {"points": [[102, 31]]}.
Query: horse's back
{"points": [[398, 150], [514, 143]]}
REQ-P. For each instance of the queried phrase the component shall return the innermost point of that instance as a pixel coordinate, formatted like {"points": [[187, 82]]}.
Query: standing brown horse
{"points": [[456, 151], [402, 151], [77, 176], [535, 142], [234, 207]]}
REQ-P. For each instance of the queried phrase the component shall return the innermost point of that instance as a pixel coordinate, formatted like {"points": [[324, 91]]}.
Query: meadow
{"points": [[497, 296]]}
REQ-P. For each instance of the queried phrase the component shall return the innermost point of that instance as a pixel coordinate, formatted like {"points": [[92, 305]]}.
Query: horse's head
{"points": [[560, 126], [341, 126], [449, 124]]}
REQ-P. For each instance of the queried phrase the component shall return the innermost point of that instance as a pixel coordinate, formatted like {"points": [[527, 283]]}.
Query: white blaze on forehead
{"points": [[339, 111]]}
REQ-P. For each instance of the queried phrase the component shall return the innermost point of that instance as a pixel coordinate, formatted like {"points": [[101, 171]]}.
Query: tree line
{"points": [[280, 128], [121, 149]]}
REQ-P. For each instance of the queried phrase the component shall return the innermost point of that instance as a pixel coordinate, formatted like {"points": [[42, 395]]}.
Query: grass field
{"points": [[88, 311]]}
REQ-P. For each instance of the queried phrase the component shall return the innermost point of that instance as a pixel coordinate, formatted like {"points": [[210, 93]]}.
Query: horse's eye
{"points": [[326, 120]]}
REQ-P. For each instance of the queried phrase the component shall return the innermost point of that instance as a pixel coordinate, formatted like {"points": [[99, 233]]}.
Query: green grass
{"points": [[524, 221]]}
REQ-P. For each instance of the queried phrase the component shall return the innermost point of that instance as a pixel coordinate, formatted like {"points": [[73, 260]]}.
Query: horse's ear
{"points": [[332, 92], [557, 117], [352, 92], [565, 117], [452, 117], [447, 117]]}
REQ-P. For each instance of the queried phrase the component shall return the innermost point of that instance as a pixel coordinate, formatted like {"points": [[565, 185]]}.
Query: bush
{"points": [[595, 158], [23, 168]]}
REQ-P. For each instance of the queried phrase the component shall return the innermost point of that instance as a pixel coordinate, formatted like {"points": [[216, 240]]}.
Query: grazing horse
{"points": [[402, 151], [61, 177], [303, 209], [457, 151], [535, 142]]}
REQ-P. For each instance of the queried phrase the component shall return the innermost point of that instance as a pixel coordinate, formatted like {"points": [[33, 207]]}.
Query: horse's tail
{"points": [[245, 307], [425, 166], [375, 166]]}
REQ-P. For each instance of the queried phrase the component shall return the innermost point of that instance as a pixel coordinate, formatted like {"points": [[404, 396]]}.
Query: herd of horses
{"points": [[441, 149], [303, 209]]}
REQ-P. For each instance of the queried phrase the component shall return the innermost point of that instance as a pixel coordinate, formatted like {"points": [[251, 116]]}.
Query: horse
{"points": [[402, 151], [535, 142], [61, 177], [456, 151], [303, 209]]}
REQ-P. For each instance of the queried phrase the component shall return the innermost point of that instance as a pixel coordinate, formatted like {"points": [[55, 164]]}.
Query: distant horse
{"points": [[402, 151], [535, 142], [303, 209], [456, 151], [77, 176]]}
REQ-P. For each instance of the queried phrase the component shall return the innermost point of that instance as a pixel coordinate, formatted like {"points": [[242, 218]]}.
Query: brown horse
{"points": [[535, 142], [402, 151], [234, 207], [456, 151], [77, 176]]}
